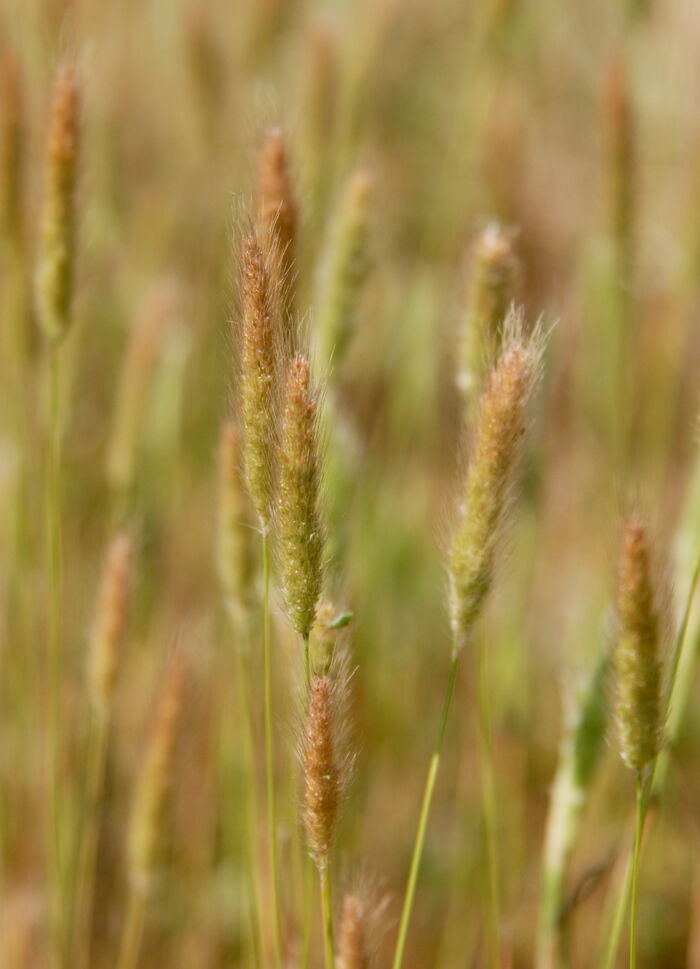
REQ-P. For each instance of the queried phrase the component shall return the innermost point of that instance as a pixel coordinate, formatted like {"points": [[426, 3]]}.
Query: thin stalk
{"points": [[639, 825], [53, 567], [252, 803], [679, 677], [308, 865], [269, 756], [133, 931], [85, 886], [327, 910], [488, 814], [423, 820]]}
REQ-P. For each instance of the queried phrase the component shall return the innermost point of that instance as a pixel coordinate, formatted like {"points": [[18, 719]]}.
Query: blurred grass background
{"points": [[461, 113]]}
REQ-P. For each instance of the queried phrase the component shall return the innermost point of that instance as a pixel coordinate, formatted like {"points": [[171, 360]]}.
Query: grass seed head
{"points": [[258, 380], [54, 282], [489, 295], [346, 268], [500, 427], [636, 656], [277, 218], [300, 529], [151, 803], [321, 770], [110, 624], [353, 949]]}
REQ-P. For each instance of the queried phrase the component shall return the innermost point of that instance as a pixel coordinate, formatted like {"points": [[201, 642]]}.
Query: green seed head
{"points": [[300, 530], [54, 281], [500, 428], [258, 380], [636, 656]]}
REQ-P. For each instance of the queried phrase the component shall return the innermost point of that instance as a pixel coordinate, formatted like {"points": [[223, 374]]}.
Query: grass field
{"points": [[349, 484]]}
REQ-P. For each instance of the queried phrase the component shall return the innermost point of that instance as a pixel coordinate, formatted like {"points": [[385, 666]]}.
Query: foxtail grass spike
{"points": [[500, 427], [300, 528], [345, 269], [277, 218], [258, 380], [110, 624], [151, 803], [636, 656], [54, 282], [321, 771], [353, 949], [489, 295]]}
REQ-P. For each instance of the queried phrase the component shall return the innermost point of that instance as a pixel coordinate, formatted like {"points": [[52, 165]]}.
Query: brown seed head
{"points": [[321, 772], [277, 217], [258, 380], [636, 662], [300, 530], [500, 428], [151, 804], [110, 624], [57, 253], [235, 553], [353, 950], [490, 293]]}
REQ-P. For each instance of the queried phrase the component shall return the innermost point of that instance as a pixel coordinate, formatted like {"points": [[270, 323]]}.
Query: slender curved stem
{"points": [[327, 907], [85, 885], [639, 825], [269, 756], [53, 566], [423, 820], [308, 863], [488, 814], [133, 931]]}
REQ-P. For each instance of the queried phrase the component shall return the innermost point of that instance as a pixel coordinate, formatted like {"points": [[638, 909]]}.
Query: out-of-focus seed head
{"points": [[500, 428], [258, 380], [620, 162], [11, 149], [110, 624], [277, 219], [54, 283], [489, 296], [345, 270], [321, 770], [235, 536], [148, 821], [636, 654], [300, 530], [353, 948]]}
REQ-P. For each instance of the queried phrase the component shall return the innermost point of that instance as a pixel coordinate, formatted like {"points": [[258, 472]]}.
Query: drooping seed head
{"points": [[110, 624], [636, 654], [235, 553], [500, 427], [321, 770], [490, 293], [277, 218], [54, 283], [300, 529], [258, 380], [345, 270], [151, 803], [353, 948]]}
